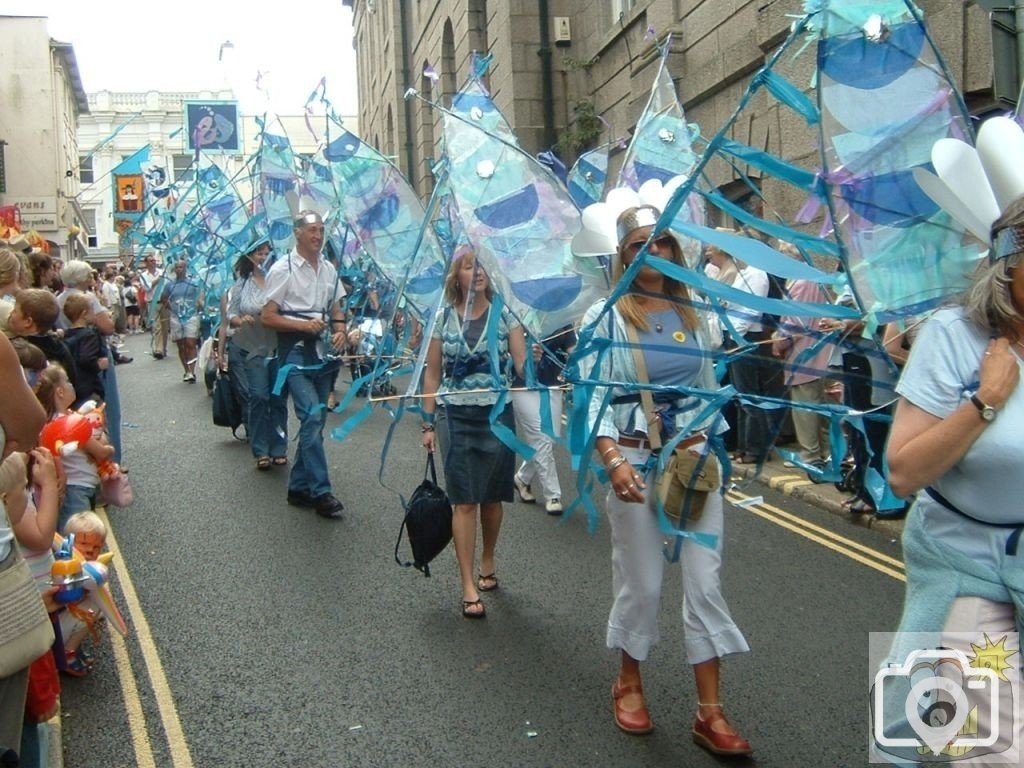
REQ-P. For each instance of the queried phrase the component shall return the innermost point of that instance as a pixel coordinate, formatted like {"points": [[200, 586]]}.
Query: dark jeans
{"points": [[868, 448]]}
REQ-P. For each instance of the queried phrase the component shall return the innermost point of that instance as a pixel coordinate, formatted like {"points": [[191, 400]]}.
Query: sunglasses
{"points": [[663, 242]]}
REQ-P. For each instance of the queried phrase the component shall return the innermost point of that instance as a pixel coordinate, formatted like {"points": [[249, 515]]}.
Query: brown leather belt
{"points": [[635, 442]]}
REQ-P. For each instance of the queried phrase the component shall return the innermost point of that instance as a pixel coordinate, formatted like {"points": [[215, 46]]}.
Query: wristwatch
{"points": [[988, 413]]}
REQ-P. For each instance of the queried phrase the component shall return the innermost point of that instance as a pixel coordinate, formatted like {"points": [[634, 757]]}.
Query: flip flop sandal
{"points": [[468, 614], [487, 583], [280, 461], [263, 463]]}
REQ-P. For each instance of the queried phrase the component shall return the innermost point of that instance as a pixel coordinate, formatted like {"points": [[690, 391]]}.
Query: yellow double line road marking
{"points": [[854, 550], [177, 745]]}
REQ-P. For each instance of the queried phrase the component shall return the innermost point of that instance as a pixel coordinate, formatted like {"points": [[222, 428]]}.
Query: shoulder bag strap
{"points": [[646, 399]]}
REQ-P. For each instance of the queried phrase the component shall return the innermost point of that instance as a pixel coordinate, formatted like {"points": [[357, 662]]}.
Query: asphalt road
{"points": [[263, 635]]}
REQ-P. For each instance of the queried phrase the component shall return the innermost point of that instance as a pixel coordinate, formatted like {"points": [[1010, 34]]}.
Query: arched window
{"points": [[478, 26], [448, 79], [426, 133]]}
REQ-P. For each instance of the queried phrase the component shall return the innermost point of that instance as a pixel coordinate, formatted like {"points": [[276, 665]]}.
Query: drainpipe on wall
{"points": [[547, 86], [1018, 18], [410, 158]]}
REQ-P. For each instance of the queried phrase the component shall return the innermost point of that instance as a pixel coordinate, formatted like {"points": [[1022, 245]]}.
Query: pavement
{"points": [[794, 482]]}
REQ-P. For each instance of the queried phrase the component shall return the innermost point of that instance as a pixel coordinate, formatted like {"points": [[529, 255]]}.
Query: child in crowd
{"points": [[28, 483], [57, 395], [90, 533], [32, 359], [87, 347], [33, 318], [76, 622]]}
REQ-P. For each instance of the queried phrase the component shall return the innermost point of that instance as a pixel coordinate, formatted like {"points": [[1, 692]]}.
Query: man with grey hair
{"points": [[304, 293]]}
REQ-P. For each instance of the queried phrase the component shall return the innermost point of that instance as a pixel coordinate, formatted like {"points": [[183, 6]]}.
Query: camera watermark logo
{"points": [[942, 698]]}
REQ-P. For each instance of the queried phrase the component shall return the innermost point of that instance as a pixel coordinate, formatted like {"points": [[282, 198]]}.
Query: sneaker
{"points": [[553, 506], [301, 499], [328, 506], [189, 378], [525, 494]]}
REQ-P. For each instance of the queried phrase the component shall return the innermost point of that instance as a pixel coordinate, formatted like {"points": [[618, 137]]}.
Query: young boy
{"points": [[87, 348], [33, 319]]}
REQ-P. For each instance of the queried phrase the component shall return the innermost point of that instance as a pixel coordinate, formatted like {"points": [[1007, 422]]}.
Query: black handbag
{"points": [[226, 410], [428, 521]]}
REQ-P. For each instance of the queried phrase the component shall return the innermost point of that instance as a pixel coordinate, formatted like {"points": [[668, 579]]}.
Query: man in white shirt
{"points": [[155, 313], [304, 293]]}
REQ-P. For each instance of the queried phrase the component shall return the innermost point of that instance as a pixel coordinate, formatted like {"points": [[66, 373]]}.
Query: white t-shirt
{"points": [[755, 282], [297, 288], [943, 372]]}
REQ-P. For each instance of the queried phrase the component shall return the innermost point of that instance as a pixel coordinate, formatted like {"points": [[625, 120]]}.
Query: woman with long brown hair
{"points": [[674, 341]]}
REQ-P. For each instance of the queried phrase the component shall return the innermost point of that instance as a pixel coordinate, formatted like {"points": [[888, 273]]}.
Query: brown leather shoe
{"points": [[719, 743], [636, 723]]}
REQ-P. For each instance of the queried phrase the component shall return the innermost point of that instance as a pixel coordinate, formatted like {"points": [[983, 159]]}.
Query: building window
{"points": [[85, 171], [478, 26], [621, 7], [89, 219], [448, 83], [183, 170]]}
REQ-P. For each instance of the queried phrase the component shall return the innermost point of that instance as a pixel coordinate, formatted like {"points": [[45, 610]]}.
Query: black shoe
{"points": [[301, 499], [122, 359], [158, 356], [328, 506]]}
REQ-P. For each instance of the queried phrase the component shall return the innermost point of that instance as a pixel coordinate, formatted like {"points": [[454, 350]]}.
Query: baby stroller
{"points": [[368, 343]]}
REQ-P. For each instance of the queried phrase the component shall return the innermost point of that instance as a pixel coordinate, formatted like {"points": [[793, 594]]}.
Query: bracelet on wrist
{"points": [[605, 453], [426, 428], [618, 461]]}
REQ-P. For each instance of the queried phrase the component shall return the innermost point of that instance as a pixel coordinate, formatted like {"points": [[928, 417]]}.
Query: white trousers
{"points": [[984, 618], [541, 467], [638, 566]]}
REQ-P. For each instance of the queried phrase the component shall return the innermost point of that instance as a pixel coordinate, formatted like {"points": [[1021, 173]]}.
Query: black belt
{"points": [[1011, 542]]}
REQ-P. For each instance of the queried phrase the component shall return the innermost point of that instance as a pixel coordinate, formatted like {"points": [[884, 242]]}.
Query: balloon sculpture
{"points": [[83, 585], [66, 434], [96, 415]]}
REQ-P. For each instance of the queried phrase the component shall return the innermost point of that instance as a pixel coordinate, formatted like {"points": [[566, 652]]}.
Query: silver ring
{"points": [[632, 485]]}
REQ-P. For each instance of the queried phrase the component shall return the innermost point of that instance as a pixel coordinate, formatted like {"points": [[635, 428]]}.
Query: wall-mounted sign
{"points": [[212, 126], [36, 212]]}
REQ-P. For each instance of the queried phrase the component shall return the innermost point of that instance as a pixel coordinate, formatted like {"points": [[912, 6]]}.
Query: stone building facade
{"points": [[42, 96], [549, 56]]}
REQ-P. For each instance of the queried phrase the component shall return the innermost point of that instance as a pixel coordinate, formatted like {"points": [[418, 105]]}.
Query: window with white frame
{"points": [[183, 170], [85, 170], [89, 219]]}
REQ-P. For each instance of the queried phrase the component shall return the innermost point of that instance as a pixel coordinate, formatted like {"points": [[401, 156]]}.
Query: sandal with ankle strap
{"points": [[636, 723], [716, 742]]}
